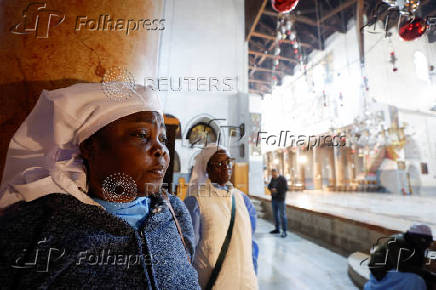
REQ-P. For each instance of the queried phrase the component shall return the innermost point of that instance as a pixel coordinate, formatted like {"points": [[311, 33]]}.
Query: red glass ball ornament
{"points": [[413, 29], [284, 6]]}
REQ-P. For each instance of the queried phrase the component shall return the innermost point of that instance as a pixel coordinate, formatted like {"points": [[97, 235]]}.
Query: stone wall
{"points": [[43, 47], [341, 235]]}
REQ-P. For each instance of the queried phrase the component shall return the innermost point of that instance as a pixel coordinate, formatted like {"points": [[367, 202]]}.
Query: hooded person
{"points": [[224, 222], [81, 198], [398, 262]]}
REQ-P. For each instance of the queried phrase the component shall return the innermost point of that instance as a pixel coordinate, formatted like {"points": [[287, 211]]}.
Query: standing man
{"points": [[278, 187], [224, 221]]}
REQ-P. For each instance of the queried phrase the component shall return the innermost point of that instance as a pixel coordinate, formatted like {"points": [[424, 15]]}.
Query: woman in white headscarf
{"points": [[224, 222], [81, 198]]}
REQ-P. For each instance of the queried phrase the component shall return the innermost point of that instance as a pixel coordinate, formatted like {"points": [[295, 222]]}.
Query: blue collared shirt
{"points": [[396, 280], [133, 212]]}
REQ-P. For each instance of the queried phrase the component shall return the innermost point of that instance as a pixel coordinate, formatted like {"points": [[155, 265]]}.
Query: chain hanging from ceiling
{"points": [[285, 30]]}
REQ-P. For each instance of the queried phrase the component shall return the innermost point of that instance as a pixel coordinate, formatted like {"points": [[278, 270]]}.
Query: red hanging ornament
{"points": [[413, 29], [284, 6]]}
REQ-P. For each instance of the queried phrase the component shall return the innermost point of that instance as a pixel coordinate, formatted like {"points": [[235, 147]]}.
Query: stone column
{"points": [[357, 168], [301, 167], [281, 165], [317, 169], [332, 166], [339, 153], [293, 165], [351, 176]]}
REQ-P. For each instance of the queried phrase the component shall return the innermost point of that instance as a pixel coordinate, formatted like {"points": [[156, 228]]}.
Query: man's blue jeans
{"points": [[279, 213]]}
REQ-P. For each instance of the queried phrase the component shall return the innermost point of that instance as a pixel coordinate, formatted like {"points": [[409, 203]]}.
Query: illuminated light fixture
{"points": [[413, 29]]}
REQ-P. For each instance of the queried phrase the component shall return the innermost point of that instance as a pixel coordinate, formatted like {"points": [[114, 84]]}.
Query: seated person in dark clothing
{"points": [[398, 262], [81, 199], [278, 187]]}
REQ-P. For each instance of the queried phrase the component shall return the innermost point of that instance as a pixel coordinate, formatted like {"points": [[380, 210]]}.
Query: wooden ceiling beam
{"points": [[301, 19], [262, 59], [259, 68], [272, 56], [263, 35], [252, 91], [257, 44], [337, 10], [270, 13], [256, 20], [259, 82]]}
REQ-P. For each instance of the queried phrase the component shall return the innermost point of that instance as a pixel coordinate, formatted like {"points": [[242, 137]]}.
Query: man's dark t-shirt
{"points": [[281, 185]]}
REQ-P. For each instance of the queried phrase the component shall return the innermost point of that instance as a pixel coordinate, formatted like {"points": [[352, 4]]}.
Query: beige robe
{"points": [[237, 271]]}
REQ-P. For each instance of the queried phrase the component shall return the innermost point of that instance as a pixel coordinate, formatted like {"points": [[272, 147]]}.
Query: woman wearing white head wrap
{"points": [[81, 197], [210, 202]]}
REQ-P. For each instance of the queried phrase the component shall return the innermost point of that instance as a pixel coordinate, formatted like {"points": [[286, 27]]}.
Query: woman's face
{"points": [[132, 146], [219, 167]]}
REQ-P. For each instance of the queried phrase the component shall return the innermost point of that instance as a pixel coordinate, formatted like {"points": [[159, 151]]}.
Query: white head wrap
{"points": [[43, 155], [199, 174]]}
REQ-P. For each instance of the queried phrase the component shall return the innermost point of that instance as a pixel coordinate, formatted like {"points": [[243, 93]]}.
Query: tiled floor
{"points": [[395, 212], [295, 263]]}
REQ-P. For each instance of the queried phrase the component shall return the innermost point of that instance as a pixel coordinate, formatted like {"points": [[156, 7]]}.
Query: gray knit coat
{"points": [[56, 241]]}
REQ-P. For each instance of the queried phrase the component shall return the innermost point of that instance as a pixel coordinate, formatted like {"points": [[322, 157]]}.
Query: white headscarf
{"points": [[44, 155], [199, 173]]}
